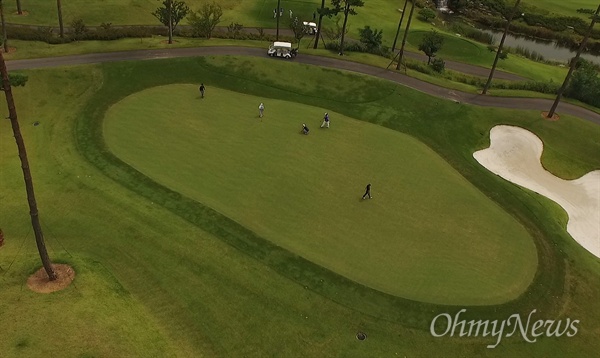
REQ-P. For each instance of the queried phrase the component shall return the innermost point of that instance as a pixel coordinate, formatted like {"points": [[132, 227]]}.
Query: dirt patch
{"points": [[39, 282], [23, 13], [555, 117]]}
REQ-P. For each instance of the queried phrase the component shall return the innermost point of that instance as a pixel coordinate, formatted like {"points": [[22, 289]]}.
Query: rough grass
{"points": [[214, 288], [563, 8]]}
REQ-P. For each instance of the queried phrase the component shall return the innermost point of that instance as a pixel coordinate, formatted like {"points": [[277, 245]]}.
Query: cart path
{"points": [[465, 68], [425, 87]]}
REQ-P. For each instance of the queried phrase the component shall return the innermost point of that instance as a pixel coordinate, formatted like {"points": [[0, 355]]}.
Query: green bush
{"points": [[438, 65], [585, 84]]}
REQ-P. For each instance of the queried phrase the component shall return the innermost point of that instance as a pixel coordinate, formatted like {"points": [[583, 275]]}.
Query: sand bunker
{"points": [[514, 154]]}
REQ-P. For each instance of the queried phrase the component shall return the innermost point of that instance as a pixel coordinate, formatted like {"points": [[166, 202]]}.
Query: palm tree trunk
{"points": [[33, 210], [19, 10], [399, 25], [60, 19], [170, 22], [319, 25], [346, 11], [277, 16], [401, 53], [4, 37], [499, 51], [573, 64]]}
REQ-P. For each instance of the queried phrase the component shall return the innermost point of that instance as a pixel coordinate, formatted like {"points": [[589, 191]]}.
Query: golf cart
{"points": [[282, 49], [310, 27]]}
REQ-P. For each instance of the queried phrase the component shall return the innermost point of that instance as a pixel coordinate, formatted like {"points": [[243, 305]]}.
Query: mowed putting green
{"points": [[427, 234]]}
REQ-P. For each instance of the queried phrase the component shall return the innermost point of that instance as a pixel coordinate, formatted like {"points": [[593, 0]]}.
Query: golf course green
{"points": [[427, 235]]}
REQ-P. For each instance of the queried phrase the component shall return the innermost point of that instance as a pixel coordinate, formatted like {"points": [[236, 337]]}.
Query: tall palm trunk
{"points": [[277, 16], [19, 10], [500, 46], [33, 210], [573, 64], [319, 25], [399, 25], [401, 53], [60, 19], [346, 12], [170, 21], [4, 37]]}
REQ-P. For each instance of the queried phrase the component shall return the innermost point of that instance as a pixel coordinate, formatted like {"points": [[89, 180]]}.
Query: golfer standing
{"points": [[367, 191], [202, 88], [261, 109], [325, 121]]}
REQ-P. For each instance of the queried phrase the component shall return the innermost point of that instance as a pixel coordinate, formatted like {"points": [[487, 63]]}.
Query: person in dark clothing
{"points": [[368, 192], [304, 129], [202, 88]]}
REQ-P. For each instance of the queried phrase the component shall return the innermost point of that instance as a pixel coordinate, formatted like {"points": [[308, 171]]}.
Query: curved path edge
{"points": [[540, 104]]}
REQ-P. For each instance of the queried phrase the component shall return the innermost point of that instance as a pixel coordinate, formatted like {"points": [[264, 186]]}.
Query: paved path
{"points": [[465, 68], [469, 98]]}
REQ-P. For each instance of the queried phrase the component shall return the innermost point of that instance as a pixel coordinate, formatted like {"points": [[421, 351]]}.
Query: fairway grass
{"points": [[95, 309], [202, 284], [428, 236]]}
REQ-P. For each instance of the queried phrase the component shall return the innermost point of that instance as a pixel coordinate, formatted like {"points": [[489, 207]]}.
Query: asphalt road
{"points": [[458, 96]]}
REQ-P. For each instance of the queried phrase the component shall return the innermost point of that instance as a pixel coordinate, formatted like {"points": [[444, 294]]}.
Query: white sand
{"points": [[514, 154]]}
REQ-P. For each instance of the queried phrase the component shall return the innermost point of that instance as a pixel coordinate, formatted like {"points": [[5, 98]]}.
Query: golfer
{"points": [[325, 121], [261, 109], [368, 192], [202, 88]]}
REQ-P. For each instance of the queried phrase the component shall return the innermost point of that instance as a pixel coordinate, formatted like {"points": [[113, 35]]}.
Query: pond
{"points": [[549, 49]]}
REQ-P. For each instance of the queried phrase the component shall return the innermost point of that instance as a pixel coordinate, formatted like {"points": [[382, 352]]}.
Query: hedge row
{"points": [[107, 33]]}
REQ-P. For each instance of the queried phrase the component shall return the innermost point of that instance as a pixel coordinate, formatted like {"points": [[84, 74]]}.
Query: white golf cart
{"points": [[310, 27], [282, 49]]}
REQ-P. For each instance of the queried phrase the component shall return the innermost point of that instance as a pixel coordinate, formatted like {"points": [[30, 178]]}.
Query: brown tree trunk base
{"points": [[555, 117], [39, 282]]}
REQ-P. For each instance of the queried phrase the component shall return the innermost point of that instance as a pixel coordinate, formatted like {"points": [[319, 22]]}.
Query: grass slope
{"points": [[303, 193], [215, 289]]}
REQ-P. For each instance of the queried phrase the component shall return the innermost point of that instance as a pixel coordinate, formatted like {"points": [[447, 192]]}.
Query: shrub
{"points": [[426, 14], [438, 65], [234, 29], [371, 39]]}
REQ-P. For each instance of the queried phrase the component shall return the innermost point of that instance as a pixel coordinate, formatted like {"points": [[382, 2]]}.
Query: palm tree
{"points": [[277, 11], [348, 7], [19, 10], [4, 37], [399, 25], [60, 19], [499, 51], [401, 53], [33, 210], [573, 64]]}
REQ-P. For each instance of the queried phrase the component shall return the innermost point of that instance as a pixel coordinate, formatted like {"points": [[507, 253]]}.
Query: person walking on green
{"points": [[261, 109], [325, 121], [368, 192], [202, 89]]}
